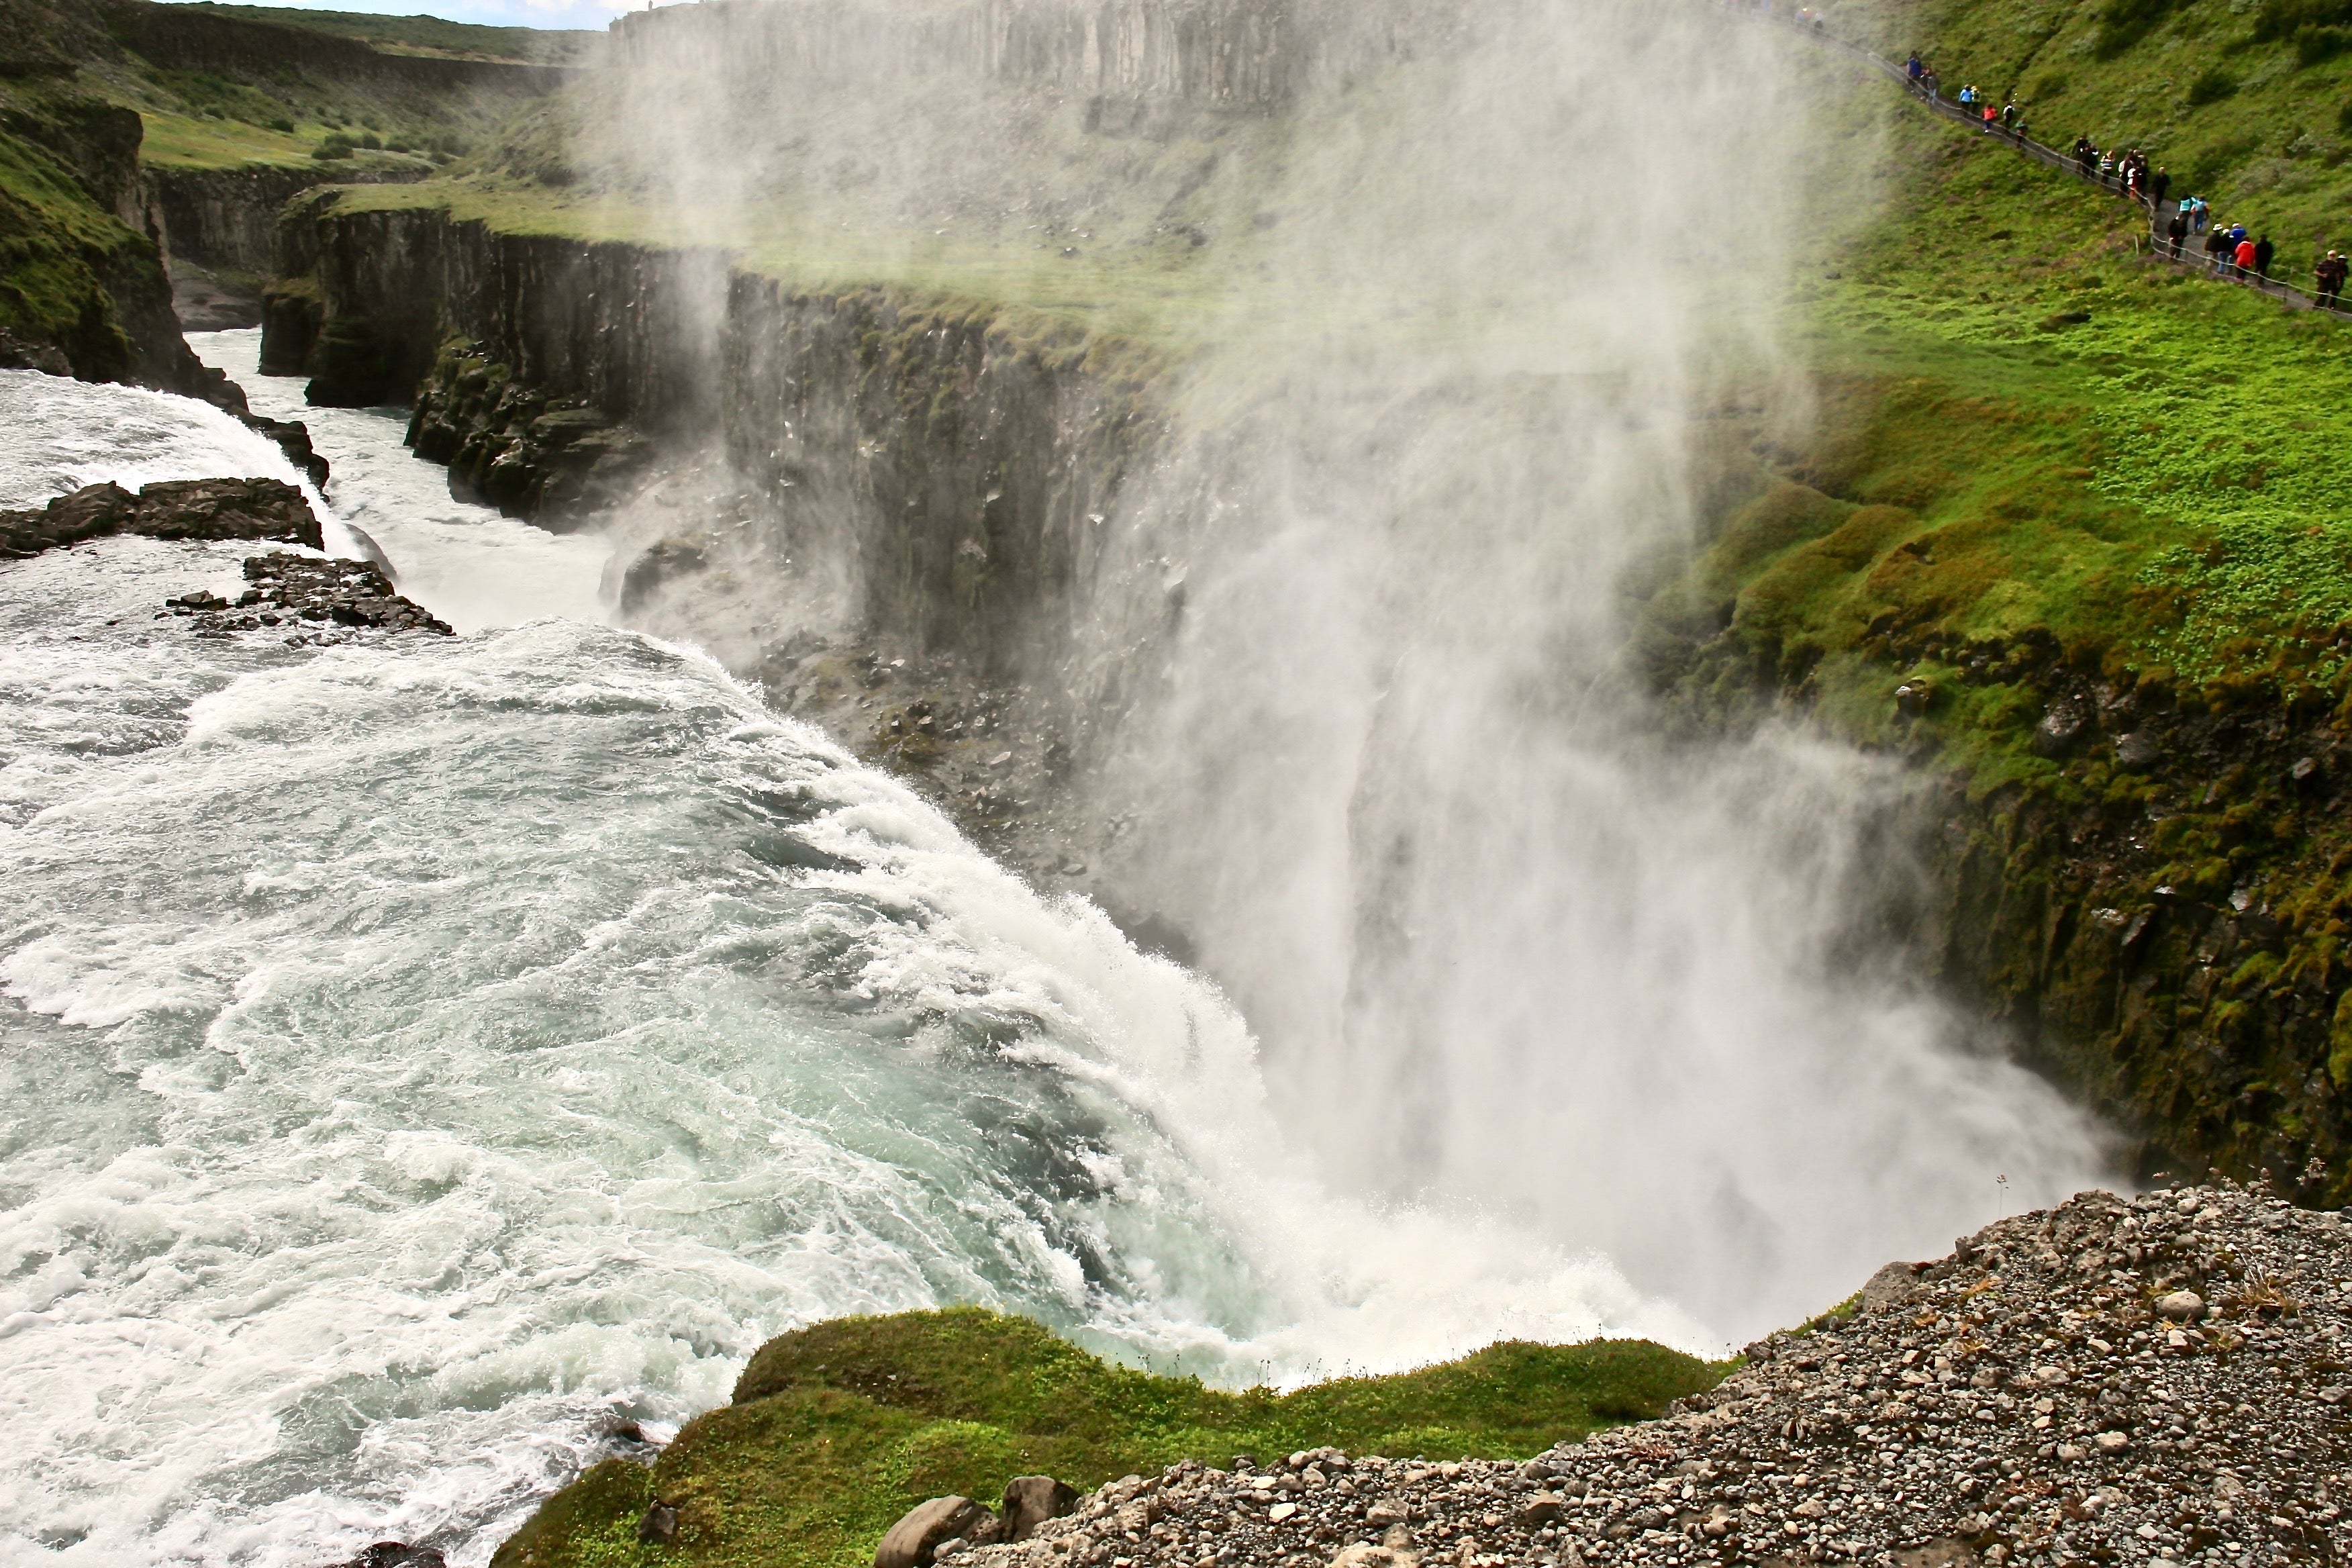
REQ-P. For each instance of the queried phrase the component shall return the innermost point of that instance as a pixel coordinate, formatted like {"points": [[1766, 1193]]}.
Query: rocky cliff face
{"points": [[85, 280], [953, 472], [227, 219]]}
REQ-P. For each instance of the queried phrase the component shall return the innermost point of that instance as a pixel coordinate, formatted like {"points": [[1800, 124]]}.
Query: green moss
{"points": [[839, 1428], [60, 256]]}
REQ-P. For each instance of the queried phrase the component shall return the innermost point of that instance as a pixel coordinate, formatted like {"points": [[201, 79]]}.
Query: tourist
{"points": [[2158, 184], [2086, 156], [2331, 273], [2008, 119], [2217, 248], [2107, 169], [2264, 253], [2243, 256], [1992, 116], [2176, 231], [1913, 69]]}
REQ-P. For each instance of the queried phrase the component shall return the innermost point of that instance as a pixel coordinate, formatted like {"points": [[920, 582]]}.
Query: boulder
{"points": [[1031, 1500], [2181, 1305], [1890, 1287], [914, 1541]]}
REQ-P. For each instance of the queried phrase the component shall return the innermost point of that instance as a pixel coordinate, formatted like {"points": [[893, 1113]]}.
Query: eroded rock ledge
{"points": [[240, 510]]}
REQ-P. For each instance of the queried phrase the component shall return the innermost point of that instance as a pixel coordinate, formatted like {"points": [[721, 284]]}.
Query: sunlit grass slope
{"points": [[838, 1429], [2248, 102], [2045, 466]]}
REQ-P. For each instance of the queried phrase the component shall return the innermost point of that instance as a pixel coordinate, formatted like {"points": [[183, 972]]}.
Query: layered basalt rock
{"points": [[176, 509], [510, 446]]}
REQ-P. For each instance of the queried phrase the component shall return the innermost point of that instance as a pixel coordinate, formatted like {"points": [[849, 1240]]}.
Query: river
{"points": [[420, 1056]]}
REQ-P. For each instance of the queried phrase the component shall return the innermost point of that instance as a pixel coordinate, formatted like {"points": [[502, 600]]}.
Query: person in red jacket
{"points": [[2246, 256]]}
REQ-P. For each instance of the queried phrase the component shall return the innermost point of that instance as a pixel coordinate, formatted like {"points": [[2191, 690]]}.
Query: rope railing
{"points": [[2159, 214]]}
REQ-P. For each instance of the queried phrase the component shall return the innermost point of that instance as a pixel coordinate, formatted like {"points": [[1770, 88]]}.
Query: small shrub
{"points": [[332, 148], [282, 124], [2123, 23], [2214, 85], [2313, 44], [372, 142]]}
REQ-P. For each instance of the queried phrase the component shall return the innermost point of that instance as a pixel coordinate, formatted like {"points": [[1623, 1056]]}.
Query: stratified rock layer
{"points": [[2157, 1381], [253, 510]]}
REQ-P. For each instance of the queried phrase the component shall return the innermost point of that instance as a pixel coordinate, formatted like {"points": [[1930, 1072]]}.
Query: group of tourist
{"points": [[2230, 251]]}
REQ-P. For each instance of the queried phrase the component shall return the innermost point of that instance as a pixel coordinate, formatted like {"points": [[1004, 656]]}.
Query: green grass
{"points": [[62, 257], [425, 35], [2239, 112], [2026, 429], [189, 142], [839, 1429]]}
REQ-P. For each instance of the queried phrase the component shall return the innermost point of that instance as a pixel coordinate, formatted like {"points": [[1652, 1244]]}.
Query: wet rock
{"points": [[394, 1554], [15, 354], [293, 438], [2062, 728], [239, 510], [915, 1541], [1913, 698], [313, 599], [2139, 750]]}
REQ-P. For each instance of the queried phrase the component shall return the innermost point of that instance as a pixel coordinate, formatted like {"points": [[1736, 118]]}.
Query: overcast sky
{"points": [[498, 13]]}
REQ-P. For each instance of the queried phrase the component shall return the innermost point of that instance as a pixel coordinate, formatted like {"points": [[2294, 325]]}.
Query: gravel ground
{"points": [[2145, 1381]]}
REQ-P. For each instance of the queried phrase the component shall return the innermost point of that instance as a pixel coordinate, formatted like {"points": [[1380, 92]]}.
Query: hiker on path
{"points": [[2331, 272], [2244, 257], [2176, 231], [2217, 245], [2263, 252], [2085, 155], [2158, 184], [2107, 170], [2009, 115], [1992, 116], [1913, 69]]}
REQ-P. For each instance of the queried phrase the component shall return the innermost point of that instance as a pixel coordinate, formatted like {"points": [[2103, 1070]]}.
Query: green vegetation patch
{"points": [[839, 1429], [2247, 102], [427, 35], [61, 256]]}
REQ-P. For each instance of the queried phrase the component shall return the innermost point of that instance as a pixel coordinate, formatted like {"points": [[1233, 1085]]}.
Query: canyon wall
{"points": [[923, 451]]}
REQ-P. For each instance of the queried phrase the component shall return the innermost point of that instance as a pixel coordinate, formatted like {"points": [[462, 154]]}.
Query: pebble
{"points": [[2045, 1397]]}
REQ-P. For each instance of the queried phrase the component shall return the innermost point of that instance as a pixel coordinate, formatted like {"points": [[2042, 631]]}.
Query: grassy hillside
{"points": [[2065, 495], [2248, 102], [839, 1429], [428, 34]]}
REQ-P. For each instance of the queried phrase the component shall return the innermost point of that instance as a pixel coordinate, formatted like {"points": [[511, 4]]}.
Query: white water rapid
{"points": [[417, 1054]]}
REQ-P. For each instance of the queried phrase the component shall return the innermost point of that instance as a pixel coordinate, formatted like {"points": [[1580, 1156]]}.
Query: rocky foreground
{"points": [[2155, 1381]]}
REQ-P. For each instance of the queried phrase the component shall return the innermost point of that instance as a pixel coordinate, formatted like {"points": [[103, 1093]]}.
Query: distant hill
{"points": [[428, 34]]}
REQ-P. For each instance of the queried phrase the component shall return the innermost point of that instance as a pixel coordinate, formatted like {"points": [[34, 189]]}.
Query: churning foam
{"points": [[420, 1053]]}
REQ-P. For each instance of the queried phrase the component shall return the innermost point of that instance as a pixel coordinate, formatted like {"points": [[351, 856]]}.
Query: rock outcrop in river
{"points": [[177, 509]]}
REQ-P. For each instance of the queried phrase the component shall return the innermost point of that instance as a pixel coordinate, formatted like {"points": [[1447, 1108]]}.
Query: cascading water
{"points": [[421, 1053]]}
